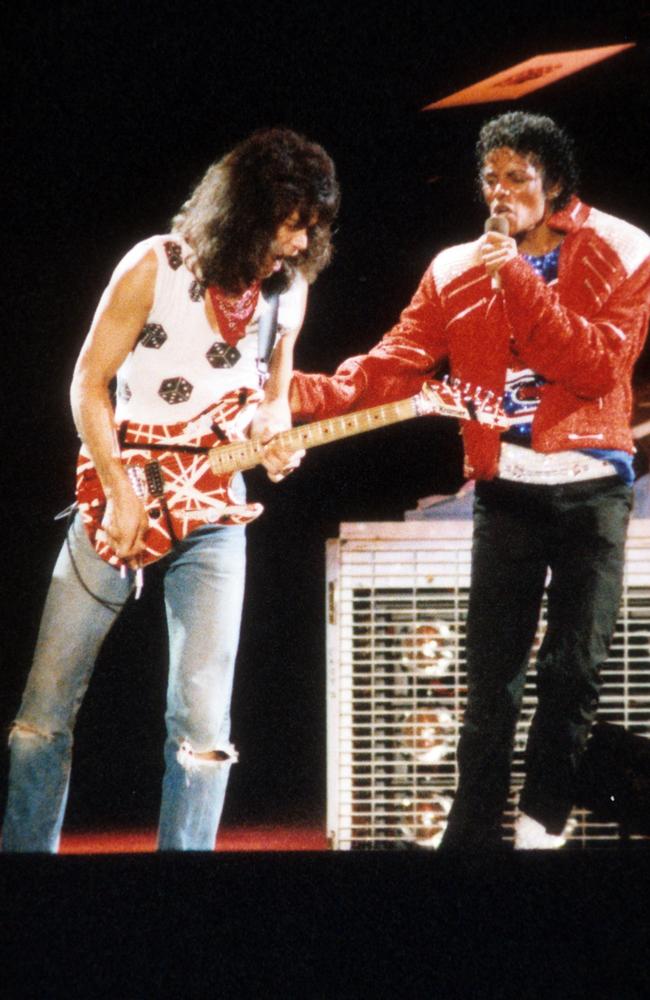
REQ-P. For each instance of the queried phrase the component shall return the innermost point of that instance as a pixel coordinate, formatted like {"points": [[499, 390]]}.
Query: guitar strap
{"points": [[266, 337]]}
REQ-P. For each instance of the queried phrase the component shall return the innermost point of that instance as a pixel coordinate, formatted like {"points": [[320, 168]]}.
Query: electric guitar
{"points": [[183, 472]]}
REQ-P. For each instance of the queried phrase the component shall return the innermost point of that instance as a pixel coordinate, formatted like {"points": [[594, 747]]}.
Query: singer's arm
{"points": [[588, 355], [395, 368]]}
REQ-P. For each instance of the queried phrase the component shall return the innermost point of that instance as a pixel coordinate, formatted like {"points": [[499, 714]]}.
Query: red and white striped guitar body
{"points": [[178, 488]]}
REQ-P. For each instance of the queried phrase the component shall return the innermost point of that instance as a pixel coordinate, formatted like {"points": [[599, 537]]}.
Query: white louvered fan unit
{"points": [[397, 605]]}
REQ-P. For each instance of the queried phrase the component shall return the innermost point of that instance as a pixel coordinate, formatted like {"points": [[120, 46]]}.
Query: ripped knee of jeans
{"points": [[23, 730], [193, 760]]}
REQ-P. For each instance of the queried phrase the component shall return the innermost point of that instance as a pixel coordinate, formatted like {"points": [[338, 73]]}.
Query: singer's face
{"points": [[513, 186]]}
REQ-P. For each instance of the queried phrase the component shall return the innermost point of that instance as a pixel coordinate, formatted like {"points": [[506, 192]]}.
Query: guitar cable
{"points": [[69, 514]]}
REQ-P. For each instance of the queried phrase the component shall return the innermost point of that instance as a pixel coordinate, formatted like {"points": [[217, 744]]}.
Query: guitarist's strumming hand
{"points": [[125, 524], [270, 418]]}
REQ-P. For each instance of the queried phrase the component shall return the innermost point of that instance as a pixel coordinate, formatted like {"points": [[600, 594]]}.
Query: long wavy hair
{"points": [[233, 214], [537, 136]]}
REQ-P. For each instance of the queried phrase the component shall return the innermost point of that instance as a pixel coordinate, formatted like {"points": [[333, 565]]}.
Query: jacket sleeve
{"points": [[587, 356], [395, 368]]}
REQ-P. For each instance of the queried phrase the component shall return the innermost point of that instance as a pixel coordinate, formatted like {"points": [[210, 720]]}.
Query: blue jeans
{"points": [[203, 587]]}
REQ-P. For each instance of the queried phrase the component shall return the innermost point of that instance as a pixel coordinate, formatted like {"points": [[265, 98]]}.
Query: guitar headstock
{"points": [[455, 398]]}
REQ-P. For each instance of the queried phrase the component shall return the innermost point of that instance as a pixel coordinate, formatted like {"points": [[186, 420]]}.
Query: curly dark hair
{"points": [[233, 214], [537, 136]]}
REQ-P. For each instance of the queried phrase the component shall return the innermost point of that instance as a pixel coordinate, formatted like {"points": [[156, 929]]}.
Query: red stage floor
{"points": [[253, 838]]}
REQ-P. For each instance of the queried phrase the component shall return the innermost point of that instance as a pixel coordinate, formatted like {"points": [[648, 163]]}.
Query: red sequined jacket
{"points": [[582, 333]]}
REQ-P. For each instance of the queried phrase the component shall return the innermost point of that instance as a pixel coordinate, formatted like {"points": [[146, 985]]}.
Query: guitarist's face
{"points": [[291, 238]]}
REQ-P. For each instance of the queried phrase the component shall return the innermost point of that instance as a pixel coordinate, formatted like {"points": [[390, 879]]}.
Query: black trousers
{"points": [[577, 531]]}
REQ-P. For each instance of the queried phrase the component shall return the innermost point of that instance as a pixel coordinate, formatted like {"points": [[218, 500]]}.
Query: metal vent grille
{"points": [[397, 595]]}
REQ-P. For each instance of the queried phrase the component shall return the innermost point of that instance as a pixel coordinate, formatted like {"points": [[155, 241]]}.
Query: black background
{"points": [[111, 114]]}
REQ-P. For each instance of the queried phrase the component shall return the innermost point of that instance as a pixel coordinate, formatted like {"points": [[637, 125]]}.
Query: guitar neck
{"points": [[241, 455]]}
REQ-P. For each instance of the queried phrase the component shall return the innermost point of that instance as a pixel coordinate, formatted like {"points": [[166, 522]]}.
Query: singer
{"points": [[549, 308]]}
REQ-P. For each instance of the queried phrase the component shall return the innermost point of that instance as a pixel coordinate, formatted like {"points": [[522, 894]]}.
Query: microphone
{"points": [[496, 224]]}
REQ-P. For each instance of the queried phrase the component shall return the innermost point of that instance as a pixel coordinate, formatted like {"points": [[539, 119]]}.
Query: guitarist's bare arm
{"points": [[274, 413], [120, 315]]}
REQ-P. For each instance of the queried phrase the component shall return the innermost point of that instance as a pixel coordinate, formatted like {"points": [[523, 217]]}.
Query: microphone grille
{"points": [[496, 224]]}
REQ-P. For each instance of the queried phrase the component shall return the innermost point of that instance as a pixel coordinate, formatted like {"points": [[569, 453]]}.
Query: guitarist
{"points": [[177, 326], [549, 308]]}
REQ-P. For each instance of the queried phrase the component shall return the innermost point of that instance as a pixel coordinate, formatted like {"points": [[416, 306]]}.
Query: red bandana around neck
{"points": [[234, 314]]}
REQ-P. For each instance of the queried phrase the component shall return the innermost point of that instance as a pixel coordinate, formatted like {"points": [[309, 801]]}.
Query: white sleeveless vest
{"points": [[180, 365]]}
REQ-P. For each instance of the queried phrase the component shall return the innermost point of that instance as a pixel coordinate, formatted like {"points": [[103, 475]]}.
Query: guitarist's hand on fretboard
{"points": [[270, 419]]}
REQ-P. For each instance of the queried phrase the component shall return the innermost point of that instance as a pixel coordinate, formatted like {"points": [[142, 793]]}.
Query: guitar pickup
{"points": [[137, 478], [154, 477]]}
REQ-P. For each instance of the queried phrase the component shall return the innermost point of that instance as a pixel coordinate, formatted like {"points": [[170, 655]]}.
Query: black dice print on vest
{"points": [[223, 355], [174, 255], [152, 335], [175, 390]]}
